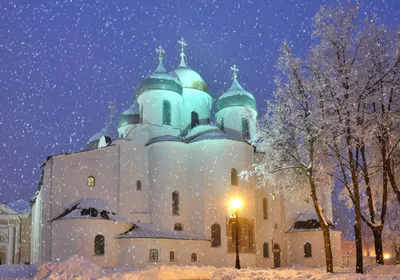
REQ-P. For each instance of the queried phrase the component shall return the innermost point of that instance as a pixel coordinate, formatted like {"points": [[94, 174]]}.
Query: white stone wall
{"points": [[233, 119], [197, 101]]}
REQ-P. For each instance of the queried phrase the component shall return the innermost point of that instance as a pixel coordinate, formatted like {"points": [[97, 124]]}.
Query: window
{"points": [[178, 227], [246, 235], [172, 256], [307, 250], [195, 119], [222, 124], [99, 245], [245, 128], [90, 181], [265, 250], [193, 257], [141, 114], [250, 234], [175, 203], [166, 112], [153, 255], [265, 208], [234, 177], [273, 196], [275, 226], [138, 185], [215, 235]]}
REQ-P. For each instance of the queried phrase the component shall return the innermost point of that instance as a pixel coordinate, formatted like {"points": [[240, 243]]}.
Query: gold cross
{"points": [[235, 70], [111, 106], [183, 45], [160, 52]]}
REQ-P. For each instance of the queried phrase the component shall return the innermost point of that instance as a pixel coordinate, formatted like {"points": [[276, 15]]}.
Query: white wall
{"points": [[233, 119], [195, 100]]}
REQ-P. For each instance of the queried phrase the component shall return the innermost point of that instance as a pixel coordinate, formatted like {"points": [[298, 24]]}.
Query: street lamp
{"points": [[236, 204]]}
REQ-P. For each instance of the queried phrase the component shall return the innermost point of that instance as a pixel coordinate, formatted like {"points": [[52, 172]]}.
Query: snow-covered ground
{"points": [[82, 269]]}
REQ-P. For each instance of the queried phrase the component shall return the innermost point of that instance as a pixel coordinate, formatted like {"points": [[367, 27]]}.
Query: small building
{"points": [[15, 233]]}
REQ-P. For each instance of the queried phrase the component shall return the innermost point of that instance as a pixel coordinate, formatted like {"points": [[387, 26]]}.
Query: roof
{"points": [[305, 222], [151, 231], [109, 130], [236, 96], [190, 78], [20, 206], [89, 208]]}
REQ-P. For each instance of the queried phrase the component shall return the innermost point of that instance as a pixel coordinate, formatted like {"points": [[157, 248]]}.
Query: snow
{"points": [[80, 268]]}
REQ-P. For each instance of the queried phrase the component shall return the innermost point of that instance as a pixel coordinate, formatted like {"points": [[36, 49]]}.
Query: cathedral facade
{"points": [[156, 189]]}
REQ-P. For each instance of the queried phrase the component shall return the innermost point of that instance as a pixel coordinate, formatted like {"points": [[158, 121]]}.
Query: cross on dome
{"points": [[111, 106], [235, 70], [160, 52], [183, 45]]}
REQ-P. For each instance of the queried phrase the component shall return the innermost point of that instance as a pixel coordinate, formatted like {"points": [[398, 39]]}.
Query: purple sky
{"points": [[62, 61]]}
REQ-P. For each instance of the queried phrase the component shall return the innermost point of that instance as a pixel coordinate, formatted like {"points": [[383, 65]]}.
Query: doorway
{"points": [[277, 255]]}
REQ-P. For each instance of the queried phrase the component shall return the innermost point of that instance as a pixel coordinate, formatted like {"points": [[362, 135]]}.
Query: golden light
{"points": [[236, 203], [386, 256]]}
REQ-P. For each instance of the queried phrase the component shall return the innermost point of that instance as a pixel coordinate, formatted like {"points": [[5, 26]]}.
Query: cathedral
{"points": [[156, 189]]}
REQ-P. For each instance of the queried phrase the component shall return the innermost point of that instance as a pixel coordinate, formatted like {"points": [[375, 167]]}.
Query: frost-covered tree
{"points": [[392, 231], [295, 159], [356, 64]]}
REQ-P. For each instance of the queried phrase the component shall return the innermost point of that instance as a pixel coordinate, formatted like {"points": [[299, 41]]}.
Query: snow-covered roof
{"points": [[165, 138], [201, 128], [90, 208], [20, 206], [109, 130], [236, 96], [151, 231], [307, 222]]}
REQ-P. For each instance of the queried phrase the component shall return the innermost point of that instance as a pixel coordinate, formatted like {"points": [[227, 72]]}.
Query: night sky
{"points": [[62, 61]]}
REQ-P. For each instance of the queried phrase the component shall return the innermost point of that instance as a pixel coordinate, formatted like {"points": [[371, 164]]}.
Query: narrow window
{"points": [[265, 208], [194, 257], [245, 128], [222, 124], [250, 233], [153, 255], [307, 250], [99, 245], [138, 185], [215, 235], [90, 181], [234, 177], [178, 227], [175, 203], [265, 250], [172, 256], [141, 114], [166, 112], [195, 119]]}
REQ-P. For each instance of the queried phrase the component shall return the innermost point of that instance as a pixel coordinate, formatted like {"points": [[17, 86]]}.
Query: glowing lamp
{"points": [[386, 256], [236, 203]]}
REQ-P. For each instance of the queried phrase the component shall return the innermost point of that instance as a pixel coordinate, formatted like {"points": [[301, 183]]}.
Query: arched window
{"points": [[90, 181], [153, 255], [265, 208], [265, 250], [234, 177], [175, 203], [245, 128], [222, 124], [141, 114], [307, 250], [166, 112], [193, 257], [215, 235], [138, 185], [195, 119], [99, 245], [178, 227], [250, 232], [172, 256]]}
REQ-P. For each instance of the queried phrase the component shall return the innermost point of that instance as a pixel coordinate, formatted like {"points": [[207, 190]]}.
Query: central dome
{"points": [[160, 79], [190, 78]]}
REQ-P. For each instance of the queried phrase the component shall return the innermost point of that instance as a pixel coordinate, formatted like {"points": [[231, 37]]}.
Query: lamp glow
{"points": [[386, 256], [236, 203]]}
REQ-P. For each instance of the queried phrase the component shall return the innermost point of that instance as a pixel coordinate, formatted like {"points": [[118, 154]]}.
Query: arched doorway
{"points": [[277, 255]]}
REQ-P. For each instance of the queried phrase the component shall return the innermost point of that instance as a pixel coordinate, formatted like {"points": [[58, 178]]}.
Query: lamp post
{"points": [[236, 205]]}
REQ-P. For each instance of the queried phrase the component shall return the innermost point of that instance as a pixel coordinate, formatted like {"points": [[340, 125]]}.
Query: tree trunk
{"points": [[397, 255], [377, 231], [392, 180], [324, 227]]}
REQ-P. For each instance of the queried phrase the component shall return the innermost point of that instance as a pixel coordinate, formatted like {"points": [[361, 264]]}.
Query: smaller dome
{"points": [[130, 116], [160, 79], [190, 78], [236, 96], [109, 132]]}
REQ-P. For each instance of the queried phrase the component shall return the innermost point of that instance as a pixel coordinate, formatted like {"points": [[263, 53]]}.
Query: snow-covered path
{"points": [[82, 269]]}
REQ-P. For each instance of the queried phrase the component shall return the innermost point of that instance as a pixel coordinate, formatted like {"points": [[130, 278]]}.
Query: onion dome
{"points": [[107, 134], [236, 96], [160, 79], [188, 77], [130, 116]]}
